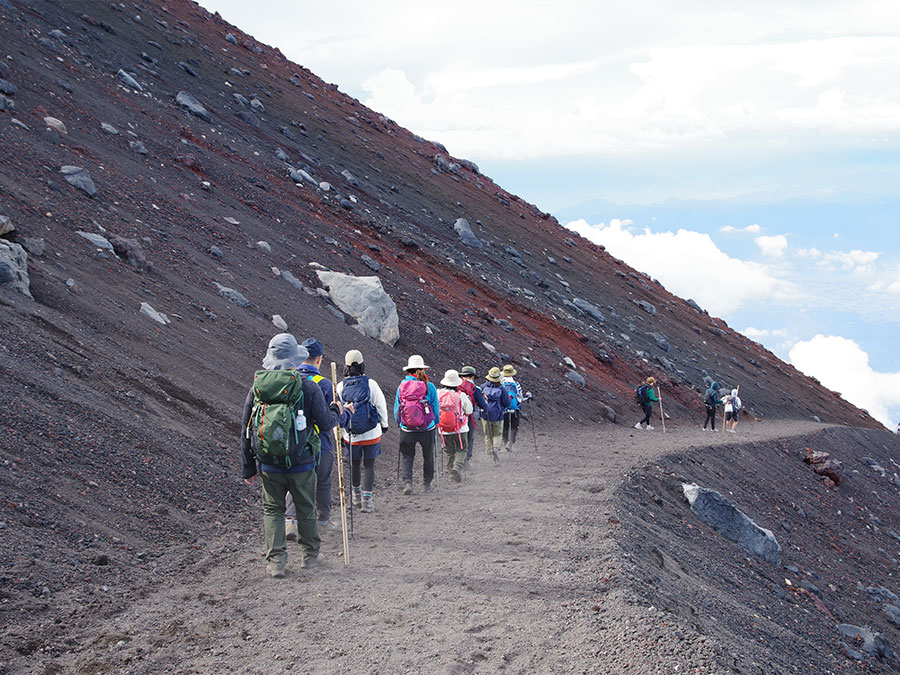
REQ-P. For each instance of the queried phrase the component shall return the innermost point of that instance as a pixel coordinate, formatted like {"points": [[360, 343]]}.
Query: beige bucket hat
{"points": [[493, 374], [415, 363], [508, 370], [451, 379]]}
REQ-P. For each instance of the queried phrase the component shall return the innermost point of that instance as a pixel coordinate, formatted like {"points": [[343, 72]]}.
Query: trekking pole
{"points": [[350, 467], [437, 467], [662, 417], [337, 449]]}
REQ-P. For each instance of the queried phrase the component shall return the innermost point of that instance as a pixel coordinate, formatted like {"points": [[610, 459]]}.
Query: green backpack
{"points": [[278, 430]]}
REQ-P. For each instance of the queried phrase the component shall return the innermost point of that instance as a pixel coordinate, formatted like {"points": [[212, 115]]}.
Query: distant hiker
{"points": [[645, 396], [711, 400], [473, 391], [363, 421], [511, 415], [453, 422], [310, 368], [496, 402], [281, 414], [733, 406], [416, 413]]}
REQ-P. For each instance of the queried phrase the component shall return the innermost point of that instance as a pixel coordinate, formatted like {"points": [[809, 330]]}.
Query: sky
{"points": [[747, 155]]}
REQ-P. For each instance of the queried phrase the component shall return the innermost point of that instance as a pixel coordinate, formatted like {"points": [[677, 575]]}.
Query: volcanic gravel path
{"points": [[506, 572]]}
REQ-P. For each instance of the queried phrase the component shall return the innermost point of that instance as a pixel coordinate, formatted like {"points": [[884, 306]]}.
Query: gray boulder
{"points": [[192, 105], [869, 642], [240, 98], [257, 105], [34, 245], [97, 240], [572, 376], [138, 147], [647, 307], [14, 267], [130, 250], [6, 225], [7, 87], [128, 80], [159, 317], [661, 341], [232, 295], [726, 519], [590, 309], [282, 156], [464, 230], [6, 103], [292, 280], [79, 178], [371, 263], [229, 37], [364, 299]]}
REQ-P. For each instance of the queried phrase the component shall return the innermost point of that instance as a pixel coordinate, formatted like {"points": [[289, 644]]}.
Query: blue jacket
{"points": [[325, 385], [431, 396]]}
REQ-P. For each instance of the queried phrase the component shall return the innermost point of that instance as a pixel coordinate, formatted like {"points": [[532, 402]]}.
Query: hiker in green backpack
{"points": [[280, 413]]}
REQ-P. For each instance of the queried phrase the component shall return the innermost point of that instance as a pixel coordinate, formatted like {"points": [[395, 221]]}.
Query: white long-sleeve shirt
{"points": [[376, 397]]}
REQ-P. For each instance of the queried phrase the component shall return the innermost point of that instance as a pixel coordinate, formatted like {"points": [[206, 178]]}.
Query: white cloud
{"points": [[772, 246], [690, 265], [750, 229], [842, 365], [850, 260], [758, 334]]}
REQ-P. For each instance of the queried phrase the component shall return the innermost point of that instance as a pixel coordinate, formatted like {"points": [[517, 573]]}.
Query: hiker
{"points": [[473, 391], [281, 405], [310, 367], [645, 396], [711, 400], [363, 421], [455, 408], [496, 402], [511, 414], [416, 413], [732, 406]]}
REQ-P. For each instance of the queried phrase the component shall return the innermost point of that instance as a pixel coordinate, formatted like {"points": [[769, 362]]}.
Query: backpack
{"points": [[452, 417], [512, 390], [640, 394], [364, 416], [277, 428], [736, 403], [413, 410], [493, 393], [710, 399]]}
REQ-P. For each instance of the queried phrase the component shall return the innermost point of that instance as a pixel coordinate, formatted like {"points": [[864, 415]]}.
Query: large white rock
{"points": [[365, 299]]}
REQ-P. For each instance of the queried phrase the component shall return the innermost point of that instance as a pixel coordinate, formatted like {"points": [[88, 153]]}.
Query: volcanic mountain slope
{"points": [[119, 432]]}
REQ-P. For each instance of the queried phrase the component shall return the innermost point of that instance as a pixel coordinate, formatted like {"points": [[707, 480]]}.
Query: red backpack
{"points": [[414, 412], [452, 418]]}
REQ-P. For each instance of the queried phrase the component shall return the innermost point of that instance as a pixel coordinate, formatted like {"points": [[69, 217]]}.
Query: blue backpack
{"points": [[513, 392], [364, 417], [493, 393]]}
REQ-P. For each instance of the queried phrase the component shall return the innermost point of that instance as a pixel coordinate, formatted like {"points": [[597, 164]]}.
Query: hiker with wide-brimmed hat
{"points": [[416, 412], [646, 397], [473, 391], [511, 414], [453, 423], [364, 421], [282, 413], [496, 402]]}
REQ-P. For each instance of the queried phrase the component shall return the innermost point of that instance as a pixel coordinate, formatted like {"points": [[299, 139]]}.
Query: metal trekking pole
{"points": [[337, 449], [531, 420]]}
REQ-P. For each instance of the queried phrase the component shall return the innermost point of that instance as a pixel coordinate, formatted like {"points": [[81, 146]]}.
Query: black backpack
{"points": [[640, 394]]}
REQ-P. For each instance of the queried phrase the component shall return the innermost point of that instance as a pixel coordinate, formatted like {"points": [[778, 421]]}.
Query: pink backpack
{"points": [[414, 412], [452, 417]]}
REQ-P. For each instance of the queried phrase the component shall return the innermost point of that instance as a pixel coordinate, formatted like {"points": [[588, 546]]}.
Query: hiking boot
{"points": [[275, 570], [290, 529], [368, 505], [311, 562], [637, 426], [496, 458], [407, 488], [649, 428], [326, 526], [455, 475], [428, 487], [357, 499]]}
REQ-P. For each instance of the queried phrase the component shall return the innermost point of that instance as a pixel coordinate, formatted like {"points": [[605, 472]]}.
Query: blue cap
{"points": [[314, 347]]}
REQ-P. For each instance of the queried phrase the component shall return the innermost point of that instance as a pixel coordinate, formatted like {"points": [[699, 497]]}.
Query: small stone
{"points": [[192, 105], [232, 295], [128, 80], [79, 178], [138, 147], [264, 246], [279, 323], [231, 38], [575, 377], [97, 240], [56, 125], [216, 252], [109, 128], [159, 317]]}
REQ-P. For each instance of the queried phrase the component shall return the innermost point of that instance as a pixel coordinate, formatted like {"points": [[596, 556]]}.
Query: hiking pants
{"points": [[366, 476], [510, 428], [710, 417], [323, 489], [648, 411], [408, 441], [492, 433], [302, 487], [454, 452], [470, 439]]}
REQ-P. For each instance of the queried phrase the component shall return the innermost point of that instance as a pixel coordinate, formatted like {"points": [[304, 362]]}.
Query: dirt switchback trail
{"points": [[502, 573]]}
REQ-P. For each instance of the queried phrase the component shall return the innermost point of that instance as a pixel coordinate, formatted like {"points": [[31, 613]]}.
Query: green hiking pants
{"points": [[302, 487], [454, 451], [492, 436]]}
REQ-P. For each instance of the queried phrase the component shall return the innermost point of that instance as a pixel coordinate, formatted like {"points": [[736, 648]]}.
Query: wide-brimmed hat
{"points": [[651, 380], [353, 356], [451, 379], [314, 347], [508, 370], [493, 374], [283, 353], [415, 363], [734, 392], [468, 371]]}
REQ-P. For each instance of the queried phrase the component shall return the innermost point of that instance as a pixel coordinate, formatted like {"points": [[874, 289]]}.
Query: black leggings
{"points": [[648, 410], [710, 417], [368, 473]]}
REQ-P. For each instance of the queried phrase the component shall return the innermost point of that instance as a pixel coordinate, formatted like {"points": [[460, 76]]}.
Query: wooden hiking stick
{"points": [[662, 417], [340, 463]]}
